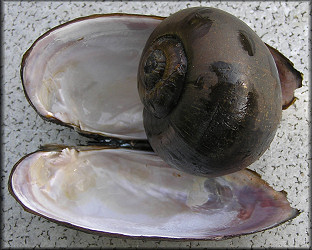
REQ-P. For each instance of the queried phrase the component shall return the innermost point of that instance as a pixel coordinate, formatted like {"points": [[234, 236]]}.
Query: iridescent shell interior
{"points": [[80, 72], [135, 193]]}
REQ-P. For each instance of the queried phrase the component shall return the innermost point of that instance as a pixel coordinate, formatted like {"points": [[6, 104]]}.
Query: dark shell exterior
{"points": [[290, 78], [231, 103]]}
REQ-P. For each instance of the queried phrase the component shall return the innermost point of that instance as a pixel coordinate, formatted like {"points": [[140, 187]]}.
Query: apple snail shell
{"points": [[211, 92]]}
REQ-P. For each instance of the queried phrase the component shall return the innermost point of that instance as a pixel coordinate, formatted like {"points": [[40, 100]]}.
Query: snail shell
{"points": [[211, 92]]}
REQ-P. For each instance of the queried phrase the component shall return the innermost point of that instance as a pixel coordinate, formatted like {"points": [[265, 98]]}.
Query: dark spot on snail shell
{"points": [[221, 114], [247, 43], [200, 21]]}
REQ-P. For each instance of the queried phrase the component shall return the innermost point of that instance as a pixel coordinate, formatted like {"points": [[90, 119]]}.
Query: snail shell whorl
{"points": [[162, 72], [229, 107]]}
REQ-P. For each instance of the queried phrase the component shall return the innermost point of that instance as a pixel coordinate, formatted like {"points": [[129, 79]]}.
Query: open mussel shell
{"points": [[134, 193], [82, 74]]}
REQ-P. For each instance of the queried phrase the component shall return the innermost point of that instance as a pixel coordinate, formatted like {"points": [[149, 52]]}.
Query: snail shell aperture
{"points": [[211, 92]]}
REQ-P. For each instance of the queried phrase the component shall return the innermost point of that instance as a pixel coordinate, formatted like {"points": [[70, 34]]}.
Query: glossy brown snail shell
{"points": [[211, 92]]}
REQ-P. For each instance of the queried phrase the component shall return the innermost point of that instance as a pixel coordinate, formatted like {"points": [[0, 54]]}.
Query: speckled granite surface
{"points": [[285, 165]]}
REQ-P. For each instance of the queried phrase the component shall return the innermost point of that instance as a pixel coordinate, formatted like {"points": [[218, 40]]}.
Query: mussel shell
{"points": [[134, 193], [88, 65]]}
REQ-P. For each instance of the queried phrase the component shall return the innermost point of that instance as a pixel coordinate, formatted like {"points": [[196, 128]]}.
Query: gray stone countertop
{"points": [[284, 25]]}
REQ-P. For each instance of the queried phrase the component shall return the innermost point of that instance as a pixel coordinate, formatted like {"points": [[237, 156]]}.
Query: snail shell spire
{"points": [[161, 75]]}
